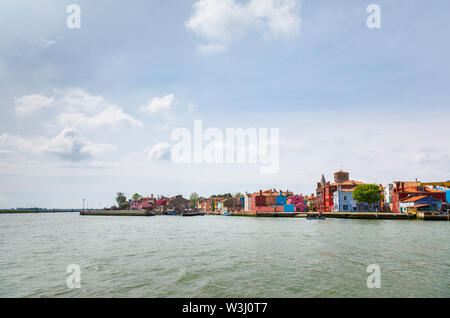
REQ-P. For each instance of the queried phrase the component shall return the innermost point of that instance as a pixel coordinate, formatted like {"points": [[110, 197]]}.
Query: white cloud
{"points": [[29, 104], [219, 22], [18, 144], [159, 105], [80, 109], [69, 144], [111, 117], [160, 151]]}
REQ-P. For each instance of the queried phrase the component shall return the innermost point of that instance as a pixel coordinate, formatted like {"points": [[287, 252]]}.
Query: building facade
{"points": [[343, 202], [325, 190], [420, 204], [407, 189]]}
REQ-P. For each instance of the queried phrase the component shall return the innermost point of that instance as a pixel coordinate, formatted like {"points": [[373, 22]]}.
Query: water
{"points": [[217, 256]]}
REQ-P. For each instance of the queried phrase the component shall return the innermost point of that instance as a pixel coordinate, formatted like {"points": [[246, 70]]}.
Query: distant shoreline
{"points": [[29, 211]]}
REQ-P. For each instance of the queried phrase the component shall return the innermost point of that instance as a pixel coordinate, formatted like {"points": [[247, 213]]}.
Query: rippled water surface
{"points": [[217, 256]]}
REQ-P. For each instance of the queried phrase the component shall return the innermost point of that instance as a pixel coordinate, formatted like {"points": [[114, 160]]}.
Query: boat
{"points": [[226, 213], [315, 216], [193, 212]]}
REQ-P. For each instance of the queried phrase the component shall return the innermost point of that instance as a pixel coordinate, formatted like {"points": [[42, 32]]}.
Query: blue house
{"points": [[343, 202], [420, 203], [281, 199], [289, 208]]}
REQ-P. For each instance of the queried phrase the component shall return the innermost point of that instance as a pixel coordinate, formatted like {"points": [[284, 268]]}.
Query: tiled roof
{"points": [[414, 199], [349, 182], [421, 205]]}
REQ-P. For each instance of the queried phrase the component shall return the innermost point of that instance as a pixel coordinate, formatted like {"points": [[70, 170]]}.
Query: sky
{"points": [[88, 112]]}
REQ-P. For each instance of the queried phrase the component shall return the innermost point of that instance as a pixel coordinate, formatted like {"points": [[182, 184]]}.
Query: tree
{"points": [[120, 198], [136, 197], [194, 198], [367, 193], [125, 206]]}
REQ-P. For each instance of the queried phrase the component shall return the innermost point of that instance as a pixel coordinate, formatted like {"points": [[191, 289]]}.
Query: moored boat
{"points": [[191, 212], [315, 216]]}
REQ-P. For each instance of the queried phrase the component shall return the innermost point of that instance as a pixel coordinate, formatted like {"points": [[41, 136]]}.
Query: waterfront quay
{"points": [[326, 215], [346, 215], [117, 213]]}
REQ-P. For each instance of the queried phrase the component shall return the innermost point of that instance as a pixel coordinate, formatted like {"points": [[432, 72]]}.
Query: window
{"points": [[345, 207], [345, 198]]}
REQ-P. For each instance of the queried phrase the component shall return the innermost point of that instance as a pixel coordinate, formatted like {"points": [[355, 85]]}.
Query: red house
{"points": [[325, 190], [407, 189]]}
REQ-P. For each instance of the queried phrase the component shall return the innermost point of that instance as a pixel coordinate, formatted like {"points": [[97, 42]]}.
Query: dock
{"points": [[433, 217], [367, 215]]}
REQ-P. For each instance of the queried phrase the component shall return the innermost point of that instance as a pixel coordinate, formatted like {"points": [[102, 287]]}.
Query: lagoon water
{"points": [[218, 256]]}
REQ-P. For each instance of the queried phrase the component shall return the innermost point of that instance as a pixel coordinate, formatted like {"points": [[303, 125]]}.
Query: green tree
{"points": [[367, 193], [120, 198], [194, 198], [125, 206], [136, 197]]}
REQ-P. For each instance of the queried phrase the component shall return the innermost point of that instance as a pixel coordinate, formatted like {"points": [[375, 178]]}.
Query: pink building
{"points": [[269, 201], [143, 204], [134, 205], [298, 201]]}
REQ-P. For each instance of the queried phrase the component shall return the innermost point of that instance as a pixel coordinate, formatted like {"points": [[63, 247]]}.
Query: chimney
{"points": [[260, 192]]}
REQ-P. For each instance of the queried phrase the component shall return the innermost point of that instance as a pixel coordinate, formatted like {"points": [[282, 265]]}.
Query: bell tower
{"points": [[341, 177]]}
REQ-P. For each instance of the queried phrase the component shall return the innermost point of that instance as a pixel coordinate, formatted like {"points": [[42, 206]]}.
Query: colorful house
{"points": [[298, 202], [147, 203], [269, 201], [248, 202], [134, 205], [420, 204], [343, 202], [325, 190], [406, 189]]}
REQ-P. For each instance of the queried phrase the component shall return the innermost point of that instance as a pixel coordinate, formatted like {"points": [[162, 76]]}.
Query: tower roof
{"points": [[323, 182]]}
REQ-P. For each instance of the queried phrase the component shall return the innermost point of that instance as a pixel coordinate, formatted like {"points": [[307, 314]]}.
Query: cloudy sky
{"points": [[88, 112]]}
